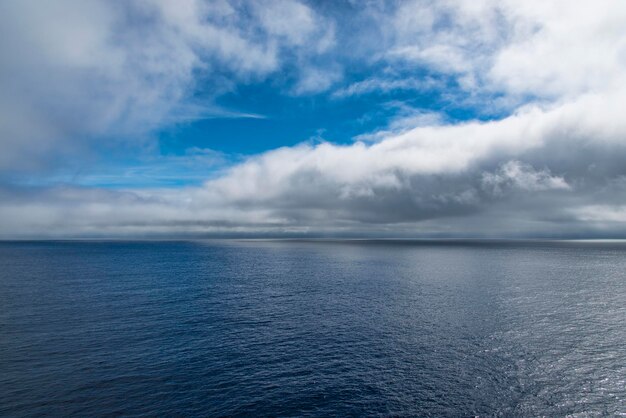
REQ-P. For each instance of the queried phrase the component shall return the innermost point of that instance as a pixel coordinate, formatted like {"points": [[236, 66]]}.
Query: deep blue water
{"points": [[293, 328]]}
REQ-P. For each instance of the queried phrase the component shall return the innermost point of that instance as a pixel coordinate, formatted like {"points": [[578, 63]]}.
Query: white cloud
{"points": [[291, 20], [552, 49], [568, 49], [515, 174], [77, 73], [315, 80], [426, 174], [381, 85], [433, 150], [604, 214], [453, 36]]}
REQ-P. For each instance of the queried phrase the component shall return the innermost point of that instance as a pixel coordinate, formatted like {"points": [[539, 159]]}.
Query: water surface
{"points": [[293, 328]]}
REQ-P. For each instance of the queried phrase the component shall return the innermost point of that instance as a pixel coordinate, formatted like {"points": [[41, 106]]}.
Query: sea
{"points": [[439, 328]]}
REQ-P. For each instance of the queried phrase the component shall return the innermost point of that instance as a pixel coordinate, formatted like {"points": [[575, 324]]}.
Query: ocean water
{"points": [[312, 328]]}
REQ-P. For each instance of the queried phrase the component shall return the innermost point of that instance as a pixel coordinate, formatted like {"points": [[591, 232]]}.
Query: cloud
{"points": [[552, 165], [427, 179], [558, 50], [77, 74], [294, 23], [606, 214], [315, 80], [549, 50], [515, 174], [455, 37], [381, 85]]}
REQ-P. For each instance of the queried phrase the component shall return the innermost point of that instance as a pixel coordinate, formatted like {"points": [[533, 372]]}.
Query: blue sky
{"points": [[372, 118], [280, 119]]}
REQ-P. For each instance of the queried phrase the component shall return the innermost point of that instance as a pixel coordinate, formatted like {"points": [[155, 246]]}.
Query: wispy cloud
{"points": [[382, 86], [190, 112]]}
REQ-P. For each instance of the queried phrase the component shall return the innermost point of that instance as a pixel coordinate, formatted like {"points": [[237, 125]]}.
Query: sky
{"points": [[193, 118]]}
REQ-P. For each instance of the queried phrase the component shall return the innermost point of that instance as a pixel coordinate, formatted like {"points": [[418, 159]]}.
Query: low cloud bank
{"points": [[538, 171]]}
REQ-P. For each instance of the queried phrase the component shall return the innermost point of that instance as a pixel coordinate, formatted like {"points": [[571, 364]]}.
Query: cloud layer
{"points": [[552, 165]]}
